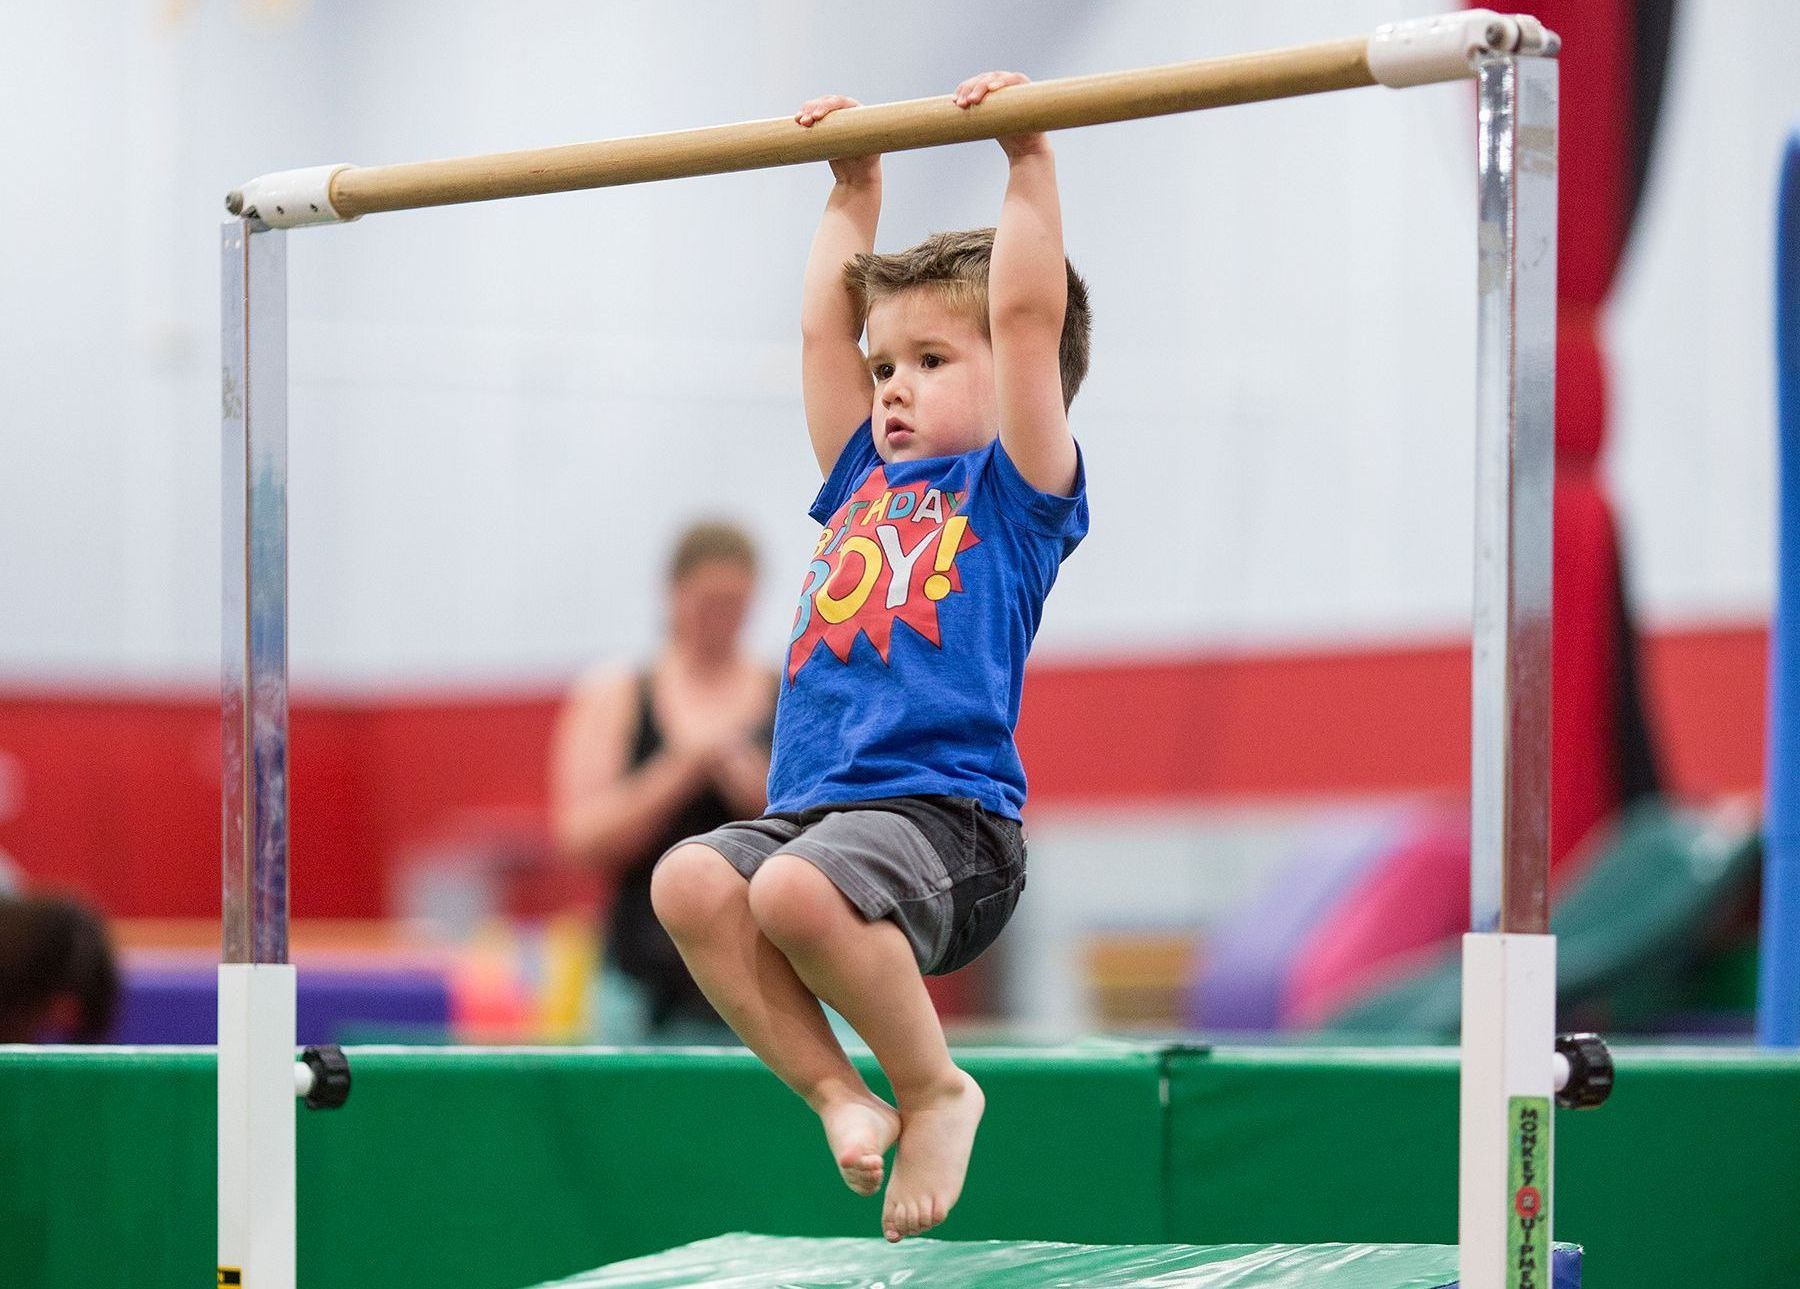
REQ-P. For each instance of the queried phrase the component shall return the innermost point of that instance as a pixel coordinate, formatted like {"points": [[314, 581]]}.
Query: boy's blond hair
{"points": [[956, 266]]}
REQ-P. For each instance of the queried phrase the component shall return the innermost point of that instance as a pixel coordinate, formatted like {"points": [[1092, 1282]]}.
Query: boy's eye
{"points": [[883, 370], [931, 360]]}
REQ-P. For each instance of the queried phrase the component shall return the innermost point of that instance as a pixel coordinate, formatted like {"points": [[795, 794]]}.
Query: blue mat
{"points": [[179, 1005]]}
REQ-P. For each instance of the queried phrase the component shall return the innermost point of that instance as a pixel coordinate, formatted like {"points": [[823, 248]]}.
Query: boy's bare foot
{"points": [[860, 1129], [936, 1137]]}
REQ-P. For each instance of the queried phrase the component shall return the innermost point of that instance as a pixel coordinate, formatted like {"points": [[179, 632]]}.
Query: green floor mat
{"points": [[770, 1262]]}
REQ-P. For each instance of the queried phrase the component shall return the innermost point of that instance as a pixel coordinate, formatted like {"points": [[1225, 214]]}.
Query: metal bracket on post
{"points": [[1509, 959], [256, 982]]}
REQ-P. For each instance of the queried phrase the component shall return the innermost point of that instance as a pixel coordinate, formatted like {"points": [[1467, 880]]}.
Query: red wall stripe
{"points": [[1709, 701], [1375, 721], [118, 792]]}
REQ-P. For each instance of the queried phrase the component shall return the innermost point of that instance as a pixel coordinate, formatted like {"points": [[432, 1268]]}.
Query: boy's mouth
{"points": [[896, 430]]}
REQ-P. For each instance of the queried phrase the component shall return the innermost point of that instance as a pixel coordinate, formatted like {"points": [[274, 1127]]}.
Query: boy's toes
{"points": [[859, 1133], [861, 1171]]}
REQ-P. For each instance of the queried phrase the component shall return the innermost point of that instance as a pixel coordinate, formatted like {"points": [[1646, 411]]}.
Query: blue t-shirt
{"points": [[962, 551]]}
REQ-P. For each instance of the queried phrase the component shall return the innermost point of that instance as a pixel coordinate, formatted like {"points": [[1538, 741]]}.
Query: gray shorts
{"points": [[947, 872]]}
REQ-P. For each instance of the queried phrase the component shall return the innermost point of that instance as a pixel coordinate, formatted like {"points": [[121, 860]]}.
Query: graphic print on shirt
{"points": [[889, 554]]}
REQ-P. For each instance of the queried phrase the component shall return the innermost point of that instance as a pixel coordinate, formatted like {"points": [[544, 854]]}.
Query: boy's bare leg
{"points": [[704, 904], [866, 970]]}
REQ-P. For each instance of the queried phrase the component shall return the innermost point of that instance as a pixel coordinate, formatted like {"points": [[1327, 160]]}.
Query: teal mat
{"points": [[1633, 923], [771, 1262]]}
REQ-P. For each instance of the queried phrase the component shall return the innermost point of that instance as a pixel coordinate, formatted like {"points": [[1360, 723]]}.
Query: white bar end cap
{"points": [[1425, 51], [289, 198]]}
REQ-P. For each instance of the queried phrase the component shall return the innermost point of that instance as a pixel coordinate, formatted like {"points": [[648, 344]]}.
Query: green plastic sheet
{"points": [[770, 1262]]}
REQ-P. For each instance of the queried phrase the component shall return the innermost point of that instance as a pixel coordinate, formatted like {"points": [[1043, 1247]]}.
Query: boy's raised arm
{"points": [[1028, 293], [834, 377]]}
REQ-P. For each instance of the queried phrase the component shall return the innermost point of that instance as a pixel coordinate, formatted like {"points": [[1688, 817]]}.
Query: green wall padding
{"points": [[489, 1170], [1309, 1145], [548, 1163], [108, 1167], [1689, 1175], [493, 1169]]}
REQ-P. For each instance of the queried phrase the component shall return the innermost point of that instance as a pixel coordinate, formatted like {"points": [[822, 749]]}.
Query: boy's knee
{"points": [[794, 904], [692, 887]]}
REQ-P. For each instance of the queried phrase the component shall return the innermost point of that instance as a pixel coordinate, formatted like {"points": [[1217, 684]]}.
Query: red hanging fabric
{"points": [[1596, 136]]}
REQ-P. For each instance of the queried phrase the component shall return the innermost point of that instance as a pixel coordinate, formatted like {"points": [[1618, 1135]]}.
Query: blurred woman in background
{"points": [[643, 759]]}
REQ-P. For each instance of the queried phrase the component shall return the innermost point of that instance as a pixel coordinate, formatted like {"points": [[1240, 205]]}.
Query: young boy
{"points": [[892, 848]]}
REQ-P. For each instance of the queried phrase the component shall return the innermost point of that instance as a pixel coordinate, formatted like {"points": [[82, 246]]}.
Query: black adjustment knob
{"points": [[331, 1077], [1590, 1071]]}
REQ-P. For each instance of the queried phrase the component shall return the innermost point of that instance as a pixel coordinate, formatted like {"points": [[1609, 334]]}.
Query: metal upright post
{"points": [[256, 982], [1509, 959], [1514, 473]]}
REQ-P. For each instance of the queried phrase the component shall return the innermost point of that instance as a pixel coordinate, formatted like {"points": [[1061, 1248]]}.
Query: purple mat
{"points": [[180, 1004], [1240, 987]]}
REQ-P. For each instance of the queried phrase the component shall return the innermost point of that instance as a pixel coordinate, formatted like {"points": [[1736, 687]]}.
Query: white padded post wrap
{"points": [[1424, 51], [290, 198]]}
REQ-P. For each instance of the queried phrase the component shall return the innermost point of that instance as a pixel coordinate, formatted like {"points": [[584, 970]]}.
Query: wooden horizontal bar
{"points": [[889, 127]]}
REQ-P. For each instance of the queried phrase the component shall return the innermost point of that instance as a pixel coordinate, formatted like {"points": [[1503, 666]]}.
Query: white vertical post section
{"points": [[256, 984], [256, 1125], [1508, 1091], [1509, 959]]}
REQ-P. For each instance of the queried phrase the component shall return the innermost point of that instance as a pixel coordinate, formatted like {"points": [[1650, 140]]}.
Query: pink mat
{"points": [[1407, 904]]}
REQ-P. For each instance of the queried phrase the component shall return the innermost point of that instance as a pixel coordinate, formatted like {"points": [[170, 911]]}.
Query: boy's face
{"points": [[934, 378]]}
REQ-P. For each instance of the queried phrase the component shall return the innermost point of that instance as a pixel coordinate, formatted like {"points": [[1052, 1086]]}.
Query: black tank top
{"points": [[636, 942]]}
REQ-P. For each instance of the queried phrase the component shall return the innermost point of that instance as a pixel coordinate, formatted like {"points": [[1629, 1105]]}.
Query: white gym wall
{"points": [[501, 412]]}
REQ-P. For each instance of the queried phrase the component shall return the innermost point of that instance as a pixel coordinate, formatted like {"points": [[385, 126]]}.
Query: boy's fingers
{"points": [[977, 88], [818, 108], [821, 108]]}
